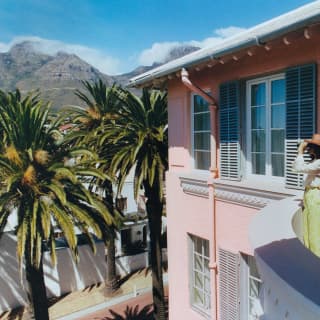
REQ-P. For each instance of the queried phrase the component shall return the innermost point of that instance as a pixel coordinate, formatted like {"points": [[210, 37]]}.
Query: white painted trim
{"points": [[248, 296], [192, 253], [267, 80], [239, 194], [247, 198], [195, 187], [243, 286], [244, 290], [192, 158]]}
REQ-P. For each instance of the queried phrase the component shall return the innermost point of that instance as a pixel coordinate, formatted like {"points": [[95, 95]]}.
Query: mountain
{"points": [[123, 79], [179, 51], [58, 76], [174, 53]]}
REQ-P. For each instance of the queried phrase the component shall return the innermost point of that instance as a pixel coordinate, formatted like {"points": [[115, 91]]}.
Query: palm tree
{"points": [[132, 313], [141, 136], [45, 190], [88, 126]]}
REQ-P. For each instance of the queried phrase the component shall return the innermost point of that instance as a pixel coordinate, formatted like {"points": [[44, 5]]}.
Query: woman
{"points": [[311, 211]]}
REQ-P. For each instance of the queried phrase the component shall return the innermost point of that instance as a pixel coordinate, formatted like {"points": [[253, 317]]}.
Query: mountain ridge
{"points": [[58, 76]]}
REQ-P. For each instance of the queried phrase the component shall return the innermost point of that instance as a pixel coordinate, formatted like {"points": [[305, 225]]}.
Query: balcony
{"points": [[290, 272]]}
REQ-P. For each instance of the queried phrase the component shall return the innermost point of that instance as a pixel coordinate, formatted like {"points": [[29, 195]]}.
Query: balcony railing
{"points": [[289, 271]]}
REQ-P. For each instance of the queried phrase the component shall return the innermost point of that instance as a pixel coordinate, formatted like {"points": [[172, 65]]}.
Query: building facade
{"points": [[236, 114]]}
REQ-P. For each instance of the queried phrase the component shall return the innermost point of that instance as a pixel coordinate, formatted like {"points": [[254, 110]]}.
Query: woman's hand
{"points": [[302, 147]]}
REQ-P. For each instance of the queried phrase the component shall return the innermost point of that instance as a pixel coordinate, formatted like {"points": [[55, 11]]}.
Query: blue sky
{"points": [[118, 35]]}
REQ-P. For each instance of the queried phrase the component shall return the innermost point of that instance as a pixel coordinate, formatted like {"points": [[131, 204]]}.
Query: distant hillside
{"points": [[179, 51], [123, 79], [175, 53], [58, 76]]}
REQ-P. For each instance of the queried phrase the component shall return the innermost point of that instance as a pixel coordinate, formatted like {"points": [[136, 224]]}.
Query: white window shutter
{"points": [[229, 129], [229, 278], [300, 115]]}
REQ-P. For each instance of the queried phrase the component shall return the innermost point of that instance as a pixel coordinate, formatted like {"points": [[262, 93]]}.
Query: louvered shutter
{"points": [[229, 274], [300, 115], [229, 131]]}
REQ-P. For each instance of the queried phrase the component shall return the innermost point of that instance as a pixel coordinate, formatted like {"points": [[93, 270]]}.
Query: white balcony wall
{"points": [[290, 273]]}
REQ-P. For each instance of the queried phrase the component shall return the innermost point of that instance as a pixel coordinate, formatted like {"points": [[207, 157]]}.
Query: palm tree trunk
{"points": [[154, 211], [37, 291], [112, 283]]}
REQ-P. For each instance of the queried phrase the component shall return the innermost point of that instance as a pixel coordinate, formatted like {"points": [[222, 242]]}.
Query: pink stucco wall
{"points": [[232, 227], [179, 124], [193, 214], [260, 64], [188, 214]]}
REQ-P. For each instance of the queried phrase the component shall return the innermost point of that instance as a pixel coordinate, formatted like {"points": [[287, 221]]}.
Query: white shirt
{"points": [[312, 170]]}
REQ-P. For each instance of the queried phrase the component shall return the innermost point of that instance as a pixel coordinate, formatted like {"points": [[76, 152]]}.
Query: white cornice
{"points": [[245, 196], [237, 193], [195, 186]]}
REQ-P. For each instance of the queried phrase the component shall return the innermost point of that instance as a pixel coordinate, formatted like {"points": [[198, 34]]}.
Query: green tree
{"points": [[88, 126], [39, 182], [141, 136]]}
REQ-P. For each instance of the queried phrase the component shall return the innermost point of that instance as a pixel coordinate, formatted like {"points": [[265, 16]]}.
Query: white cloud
{"points": [[4, 47], [159, 51], [229, 31], [95, 57], [112, 65]]}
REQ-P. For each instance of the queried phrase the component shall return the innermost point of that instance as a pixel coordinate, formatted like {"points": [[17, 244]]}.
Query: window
{"points": [[229, 130], [199, 275], [280, 111], [266, 126], [201, 129], [239, 286], [251, 285]]}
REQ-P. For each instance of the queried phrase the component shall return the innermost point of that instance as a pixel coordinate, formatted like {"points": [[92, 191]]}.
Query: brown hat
{"points": [[315, 139]]}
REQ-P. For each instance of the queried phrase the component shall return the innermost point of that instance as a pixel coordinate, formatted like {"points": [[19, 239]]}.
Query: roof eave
{"points": [[149, 77], [244, 44]]}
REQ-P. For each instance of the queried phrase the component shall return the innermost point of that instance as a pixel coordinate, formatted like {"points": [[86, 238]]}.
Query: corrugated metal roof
{"points": [[271, 29]]}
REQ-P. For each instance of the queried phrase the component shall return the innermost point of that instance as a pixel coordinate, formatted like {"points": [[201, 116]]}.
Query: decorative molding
{"points": [[237, 193], [241, 198], [195, 187], [246, 196]]}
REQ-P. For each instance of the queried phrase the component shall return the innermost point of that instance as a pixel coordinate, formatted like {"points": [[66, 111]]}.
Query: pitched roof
{"points": [[293, 20]]}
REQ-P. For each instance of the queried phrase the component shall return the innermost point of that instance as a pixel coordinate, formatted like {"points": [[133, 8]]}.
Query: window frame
{"points": [[193, 162], [268, 176], [245, 277], [192, 252]]}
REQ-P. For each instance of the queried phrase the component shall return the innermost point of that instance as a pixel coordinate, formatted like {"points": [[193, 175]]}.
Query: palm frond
{"points": [[40, 185]]}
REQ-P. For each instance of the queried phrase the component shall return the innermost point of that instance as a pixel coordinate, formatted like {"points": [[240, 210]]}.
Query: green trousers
{"points": [[311, 220]]}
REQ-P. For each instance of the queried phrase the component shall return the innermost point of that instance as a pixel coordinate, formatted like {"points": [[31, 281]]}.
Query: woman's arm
{"points": [[299, 164]]}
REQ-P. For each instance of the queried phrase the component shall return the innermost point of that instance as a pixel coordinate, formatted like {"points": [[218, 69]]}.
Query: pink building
{"points": [[236, 114]]}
